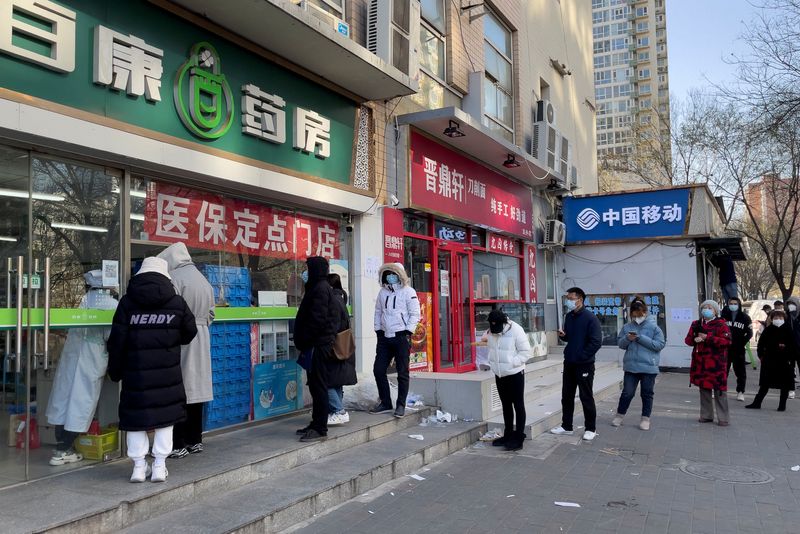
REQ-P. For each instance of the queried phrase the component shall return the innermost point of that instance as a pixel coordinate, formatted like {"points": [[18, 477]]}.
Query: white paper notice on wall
{"points": [[110, 273], [444, 283], [681, 315], [371, 266]]}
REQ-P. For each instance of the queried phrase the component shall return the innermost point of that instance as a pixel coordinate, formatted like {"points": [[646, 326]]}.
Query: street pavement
{"points": [[680, 477]]}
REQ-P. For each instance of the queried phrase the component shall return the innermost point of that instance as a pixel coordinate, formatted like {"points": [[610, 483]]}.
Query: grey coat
{"points": [[199, 296]]}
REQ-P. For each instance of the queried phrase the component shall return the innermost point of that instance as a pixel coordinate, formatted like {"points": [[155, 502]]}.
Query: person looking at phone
{"points": [[642, 340]]}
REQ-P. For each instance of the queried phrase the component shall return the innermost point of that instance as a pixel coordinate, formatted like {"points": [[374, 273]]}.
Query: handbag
{"points": [[344, 346]]}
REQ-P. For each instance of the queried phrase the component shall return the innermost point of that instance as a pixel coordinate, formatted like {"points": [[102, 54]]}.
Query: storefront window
{"points": [[612, 311], [478, 237], [496, 277], [415, 225], [418, 262], [549, 275]]}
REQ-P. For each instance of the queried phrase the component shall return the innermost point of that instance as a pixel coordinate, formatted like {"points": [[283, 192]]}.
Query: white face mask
{"points": [[639, 320], [778, 322], [792, 308]]}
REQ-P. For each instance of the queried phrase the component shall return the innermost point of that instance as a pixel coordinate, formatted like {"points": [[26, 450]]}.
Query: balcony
{"points": [[292, 33]]}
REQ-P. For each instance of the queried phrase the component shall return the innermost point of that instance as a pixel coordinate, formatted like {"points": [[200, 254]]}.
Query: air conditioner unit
{"points": [[545, 112], [555, 232], [564, 157], [544, 146], [332, 20], [573, 177], [393, 33]]}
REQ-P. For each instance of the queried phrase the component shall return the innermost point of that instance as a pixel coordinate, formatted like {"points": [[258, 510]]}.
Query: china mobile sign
{"points": [[449, 184], [651, 214], [212, 222]]}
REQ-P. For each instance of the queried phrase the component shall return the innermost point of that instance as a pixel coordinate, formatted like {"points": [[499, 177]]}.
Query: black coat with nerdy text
{"points": [[144, 352]]}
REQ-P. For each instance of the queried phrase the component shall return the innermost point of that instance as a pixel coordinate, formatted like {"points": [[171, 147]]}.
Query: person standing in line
{"points": [[760, 320], [741, 327], [710, 338], [315, 329], [150, 325], [340, 372], [777, 350], [189, 283], [642, 340], [779, 305], [793, 318], [397, 314], [584, 338], [509, 351]]}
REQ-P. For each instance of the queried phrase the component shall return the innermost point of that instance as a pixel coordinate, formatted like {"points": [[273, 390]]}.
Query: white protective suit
{"points": [[82, 366]]}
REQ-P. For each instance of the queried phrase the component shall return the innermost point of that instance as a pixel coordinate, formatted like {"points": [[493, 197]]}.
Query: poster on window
{"points": [[277, 388], [213, 222], [422, 339]]}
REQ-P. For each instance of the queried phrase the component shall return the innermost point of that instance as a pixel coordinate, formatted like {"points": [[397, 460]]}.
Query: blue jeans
{"points": [[629, 390], [335, 398]]}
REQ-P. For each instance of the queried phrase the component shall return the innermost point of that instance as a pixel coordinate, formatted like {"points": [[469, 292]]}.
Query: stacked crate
{"points": [[232, 282]]}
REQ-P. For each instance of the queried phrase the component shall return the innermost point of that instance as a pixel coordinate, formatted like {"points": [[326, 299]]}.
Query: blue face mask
{"points": [[708, 314], [571, 304], [733, 307], [304, 276], [392, 279]]}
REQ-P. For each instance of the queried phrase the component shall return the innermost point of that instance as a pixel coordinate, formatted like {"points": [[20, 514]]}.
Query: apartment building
{"points": [[631, 79]]}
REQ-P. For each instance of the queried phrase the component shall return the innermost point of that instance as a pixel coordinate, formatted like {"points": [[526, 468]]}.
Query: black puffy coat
{"points": [[318, 318], [146, 356], [777, 350], [341, 372], [741, 330]]}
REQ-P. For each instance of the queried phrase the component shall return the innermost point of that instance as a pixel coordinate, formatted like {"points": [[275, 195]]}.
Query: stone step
{"points": [[275, 503], [102, 500], [538, 385]]}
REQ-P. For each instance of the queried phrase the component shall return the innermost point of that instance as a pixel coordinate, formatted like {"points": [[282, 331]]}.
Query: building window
{"points": [[644, 73], [612, 311], [498, 82], [334, 7], [641, 11], [644, 56], [431, 36], [643, 41]]}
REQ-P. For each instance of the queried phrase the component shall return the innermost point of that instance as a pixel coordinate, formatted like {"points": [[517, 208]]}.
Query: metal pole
{"points": [[46, 313]]}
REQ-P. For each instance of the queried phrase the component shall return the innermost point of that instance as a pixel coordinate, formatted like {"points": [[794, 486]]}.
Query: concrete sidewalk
{"points": [[681, 477]]}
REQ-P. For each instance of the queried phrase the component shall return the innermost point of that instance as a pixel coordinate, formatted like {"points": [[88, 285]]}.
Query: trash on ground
{"points": [[796, 468], [417, 477], [419, 437], [548, 413], [635, 474], [491, 435], [567, 504], [415, 400], [370, 511], [509, 496], [479, 445], [443, 417]]}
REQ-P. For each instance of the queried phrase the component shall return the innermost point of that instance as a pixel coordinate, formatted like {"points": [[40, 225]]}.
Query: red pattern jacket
{"points": [[710, 357]]}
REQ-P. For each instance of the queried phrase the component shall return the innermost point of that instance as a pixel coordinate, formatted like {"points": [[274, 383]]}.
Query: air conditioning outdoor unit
{"points": [[545, 112], [393, 33], [555, 232], [332, 20], [544, 146], [564, 158], [573, 178]]}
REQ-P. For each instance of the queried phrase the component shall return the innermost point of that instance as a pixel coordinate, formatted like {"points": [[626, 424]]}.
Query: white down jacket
{"points": [[509, 351], [397, 306]]}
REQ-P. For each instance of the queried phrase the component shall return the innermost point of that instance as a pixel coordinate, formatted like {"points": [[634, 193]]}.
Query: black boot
{"points": [[501, 441], [753, 406], [515, 441]]}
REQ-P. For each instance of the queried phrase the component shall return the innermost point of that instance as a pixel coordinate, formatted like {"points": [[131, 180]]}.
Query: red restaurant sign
{"points": [[502, 244], [445, 182], [213, 222], [392, 235], [533, 293]]}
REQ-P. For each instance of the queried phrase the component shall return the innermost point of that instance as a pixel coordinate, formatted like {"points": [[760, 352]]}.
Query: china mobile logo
{"points": [[203, 96], [588, 219]]}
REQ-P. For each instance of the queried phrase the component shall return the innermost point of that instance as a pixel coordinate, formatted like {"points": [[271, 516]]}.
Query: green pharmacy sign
{"points": [[203, 97]]}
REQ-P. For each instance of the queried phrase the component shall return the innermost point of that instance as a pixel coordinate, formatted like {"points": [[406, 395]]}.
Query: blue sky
{"points": [[700, 33]]}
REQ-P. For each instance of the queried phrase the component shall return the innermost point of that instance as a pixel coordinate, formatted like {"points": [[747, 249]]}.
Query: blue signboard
{"points": [[277, 388], [627, 216]]}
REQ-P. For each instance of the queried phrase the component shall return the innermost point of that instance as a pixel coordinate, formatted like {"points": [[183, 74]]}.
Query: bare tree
{"points": [[756, 280]]}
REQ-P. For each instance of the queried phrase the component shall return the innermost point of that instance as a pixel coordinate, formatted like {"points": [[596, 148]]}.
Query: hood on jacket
{"points": [[396, 268], [318, 269], [176, 255], [94, 279], [793, 300], [150, 289]]}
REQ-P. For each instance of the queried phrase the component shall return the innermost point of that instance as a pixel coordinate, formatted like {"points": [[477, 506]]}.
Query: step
{"points": [[541, 384], [102, 500], [545, 412], [279, 501]]}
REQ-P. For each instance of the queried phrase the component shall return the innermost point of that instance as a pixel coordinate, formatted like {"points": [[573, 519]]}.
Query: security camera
{"points": [[348, 219], [394, 201], [349, 228]]}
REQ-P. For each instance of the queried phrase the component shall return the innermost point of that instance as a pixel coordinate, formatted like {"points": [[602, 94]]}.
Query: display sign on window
{"points": [[533, 294], [392, 235], [502, 244], [208, 221], [445, 182], [448, 232], [422, 340]]}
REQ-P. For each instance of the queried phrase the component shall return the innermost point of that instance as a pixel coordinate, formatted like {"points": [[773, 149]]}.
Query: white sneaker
{"points": [[345, 417], [791, 394], [617, 421], [334, 419], [559, 431], [740, 397], [65, 457], [140, 473], [159, 473], [589, 435]]}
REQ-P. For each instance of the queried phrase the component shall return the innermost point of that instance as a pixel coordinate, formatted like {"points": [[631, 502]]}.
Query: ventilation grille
{"points": [[494, 398]]}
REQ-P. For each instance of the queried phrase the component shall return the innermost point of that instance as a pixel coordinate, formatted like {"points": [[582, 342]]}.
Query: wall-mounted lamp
{"points": [[453, 130], [511, 162]]}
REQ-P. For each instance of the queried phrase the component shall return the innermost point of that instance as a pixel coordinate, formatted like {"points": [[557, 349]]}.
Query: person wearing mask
{"points": [[777, 350], [642, 340], [779, 305], [584, 337], [509, 351], [150, 325], [741, 328], [761, 319], [710, 338], [79, 375], [189, 283], [315, 329], [397, 314], [340, 372], [793, 319]]}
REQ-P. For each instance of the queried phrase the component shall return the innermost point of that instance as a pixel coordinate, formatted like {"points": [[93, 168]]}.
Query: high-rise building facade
{"points": [[631, 80]]}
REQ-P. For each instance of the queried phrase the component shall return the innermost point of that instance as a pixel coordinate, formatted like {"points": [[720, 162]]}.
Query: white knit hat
{"points": [[713, 303], [94, 278], [154, 265]]}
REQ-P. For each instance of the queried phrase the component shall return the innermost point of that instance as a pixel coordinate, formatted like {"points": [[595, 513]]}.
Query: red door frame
{"points": [[456, 319]]}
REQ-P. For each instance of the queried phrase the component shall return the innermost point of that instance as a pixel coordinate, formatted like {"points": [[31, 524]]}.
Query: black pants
{"points": [[399, 349], [511, 390], [762, 392], [740, 368], [65, 438], [580, 377], [189, 432], [318, 386]]}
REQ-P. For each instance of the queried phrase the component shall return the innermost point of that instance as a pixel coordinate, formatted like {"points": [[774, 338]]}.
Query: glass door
{"points": [[456, 321]]}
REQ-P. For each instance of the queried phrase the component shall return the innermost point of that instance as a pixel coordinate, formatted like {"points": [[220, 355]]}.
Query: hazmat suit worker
{"points": [[190, 284], [80, 373]]}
